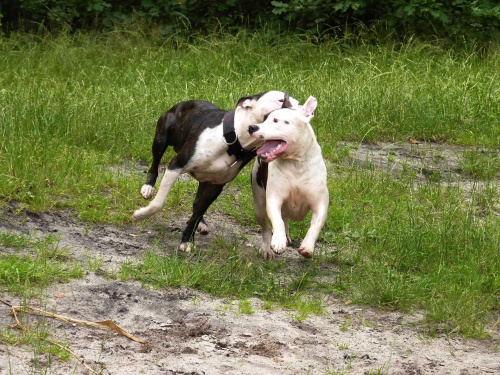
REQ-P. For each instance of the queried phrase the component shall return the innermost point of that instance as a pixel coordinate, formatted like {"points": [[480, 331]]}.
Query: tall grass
{"points": [[71, 104], [428, 248], [72, 107], [28, 274]]}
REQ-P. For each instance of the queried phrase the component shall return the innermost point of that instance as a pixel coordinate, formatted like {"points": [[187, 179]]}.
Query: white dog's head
{"points": [[255, 108], [286, 132]]}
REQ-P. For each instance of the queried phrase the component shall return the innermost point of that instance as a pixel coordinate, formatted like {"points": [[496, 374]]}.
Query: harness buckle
{"points": [[233, 142]]}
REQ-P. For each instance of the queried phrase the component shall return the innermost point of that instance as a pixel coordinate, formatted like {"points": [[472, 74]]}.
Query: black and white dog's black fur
{"points": [[212, 145]]}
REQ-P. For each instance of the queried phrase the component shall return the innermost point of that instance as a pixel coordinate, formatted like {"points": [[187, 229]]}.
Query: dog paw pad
{"points": [[306, 253], [202, 229]]}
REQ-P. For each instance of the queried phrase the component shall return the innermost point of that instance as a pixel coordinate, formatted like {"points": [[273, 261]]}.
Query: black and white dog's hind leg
{"points": [[157, 203], [160, 144]]}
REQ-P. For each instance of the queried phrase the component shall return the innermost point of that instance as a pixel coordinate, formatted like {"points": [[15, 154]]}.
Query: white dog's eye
{"points": [[286, 122], [275, 119]]}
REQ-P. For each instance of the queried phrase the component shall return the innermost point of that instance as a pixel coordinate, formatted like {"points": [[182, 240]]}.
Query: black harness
{"points": [[231, 139]]}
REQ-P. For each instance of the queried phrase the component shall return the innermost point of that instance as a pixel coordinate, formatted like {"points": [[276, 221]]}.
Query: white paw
{"points": [[147, 191], [185, 247], [306, 253], [306, 250], [145, 212], [278, 243], [138, 215], [202, 228]]}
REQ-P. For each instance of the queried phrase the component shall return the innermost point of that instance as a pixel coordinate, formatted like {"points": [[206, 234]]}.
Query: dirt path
{"points": [[194, 333]]}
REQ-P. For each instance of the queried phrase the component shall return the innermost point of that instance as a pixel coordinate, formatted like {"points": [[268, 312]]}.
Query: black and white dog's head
{"points": [[256, 107]]}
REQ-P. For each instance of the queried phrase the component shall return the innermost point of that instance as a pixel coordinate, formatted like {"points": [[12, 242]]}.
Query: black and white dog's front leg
{"points": [[205, 196]]}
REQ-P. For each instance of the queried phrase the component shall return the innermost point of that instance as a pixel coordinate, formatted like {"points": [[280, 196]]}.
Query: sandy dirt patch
{"points": [[194, 333]]}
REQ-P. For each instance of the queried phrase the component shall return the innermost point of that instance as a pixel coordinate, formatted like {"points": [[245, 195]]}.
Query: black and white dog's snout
{"points": [[252, 129]]}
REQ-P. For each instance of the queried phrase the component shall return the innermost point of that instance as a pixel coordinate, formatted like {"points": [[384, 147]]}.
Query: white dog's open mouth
{"points": [[271, 149]]}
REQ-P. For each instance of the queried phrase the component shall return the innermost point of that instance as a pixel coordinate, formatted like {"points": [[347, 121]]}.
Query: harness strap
{"points": [[231, 139]]}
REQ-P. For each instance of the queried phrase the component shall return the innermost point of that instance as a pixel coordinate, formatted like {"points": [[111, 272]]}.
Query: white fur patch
{"points": [[147, 191]]}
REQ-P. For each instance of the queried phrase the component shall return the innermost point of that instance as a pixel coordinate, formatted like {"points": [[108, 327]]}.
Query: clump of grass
{"points": [[245, 307], [419, 247], [480, 164], [225, 271], [29, 273]]}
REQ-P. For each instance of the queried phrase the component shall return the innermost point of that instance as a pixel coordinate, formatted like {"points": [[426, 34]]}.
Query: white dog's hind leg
{"points": [[287, 231], [259, 204], [157, 203], [265, 249], [266, 230]]}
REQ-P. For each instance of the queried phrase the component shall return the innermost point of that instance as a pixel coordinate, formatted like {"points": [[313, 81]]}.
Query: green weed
{"points": [[245, 307], [225, 272], [480, 164], [29, 273], [418, 247]]}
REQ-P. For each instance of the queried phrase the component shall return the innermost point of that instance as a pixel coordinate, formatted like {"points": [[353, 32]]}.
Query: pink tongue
{"points": [[268, 146]]}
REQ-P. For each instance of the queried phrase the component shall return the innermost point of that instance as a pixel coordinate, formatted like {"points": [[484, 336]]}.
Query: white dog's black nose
{"points": [[253, 128]]}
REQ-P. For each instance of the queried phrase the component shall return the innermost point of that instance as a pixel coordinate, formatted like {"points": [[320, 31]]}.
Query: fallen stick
{"points": [[105, 323], [26, 329]]}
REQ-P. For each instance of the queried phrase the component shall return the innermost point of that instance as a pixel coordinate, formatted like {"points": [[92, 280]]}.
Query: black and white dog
{"points": [[212, 145]]}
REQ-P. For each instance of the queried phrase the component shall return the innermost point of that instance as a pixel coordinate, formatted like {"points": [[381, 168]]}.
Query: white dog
{"points": [[289, 178]]}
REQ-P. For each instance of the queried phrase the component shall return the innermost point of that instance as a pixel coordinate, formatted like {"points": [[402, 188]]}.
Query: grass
{"points": [[29, 273], [26, 269], [419, 248], [226, 271], [75, 108]]}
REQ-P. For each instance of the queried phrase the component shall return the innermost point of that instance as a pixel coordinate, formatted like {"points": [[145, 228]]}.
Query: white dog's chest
{"points": [[298, 192], [296, 206]]}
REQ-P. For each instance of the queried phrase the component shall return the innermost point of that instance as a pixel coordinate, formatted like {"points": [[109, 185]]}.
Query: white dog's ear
{"points": [[309, 107]]}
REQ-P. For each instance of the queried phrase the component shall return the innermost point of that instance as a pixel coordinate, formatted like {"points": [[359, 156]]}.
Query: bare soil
{"points": [[194, 333]]}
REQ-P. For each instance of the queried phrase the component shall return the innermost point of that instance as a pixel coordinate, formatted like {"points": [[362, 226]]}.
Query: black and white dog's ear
{"points": [[286, 102], [245, 102]]}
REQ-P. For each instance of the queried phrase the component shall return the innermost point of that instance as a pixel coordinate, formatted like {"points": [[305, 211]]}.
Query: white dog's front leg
{"points": [[279, 239], [157, 203], [318, 219]]}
